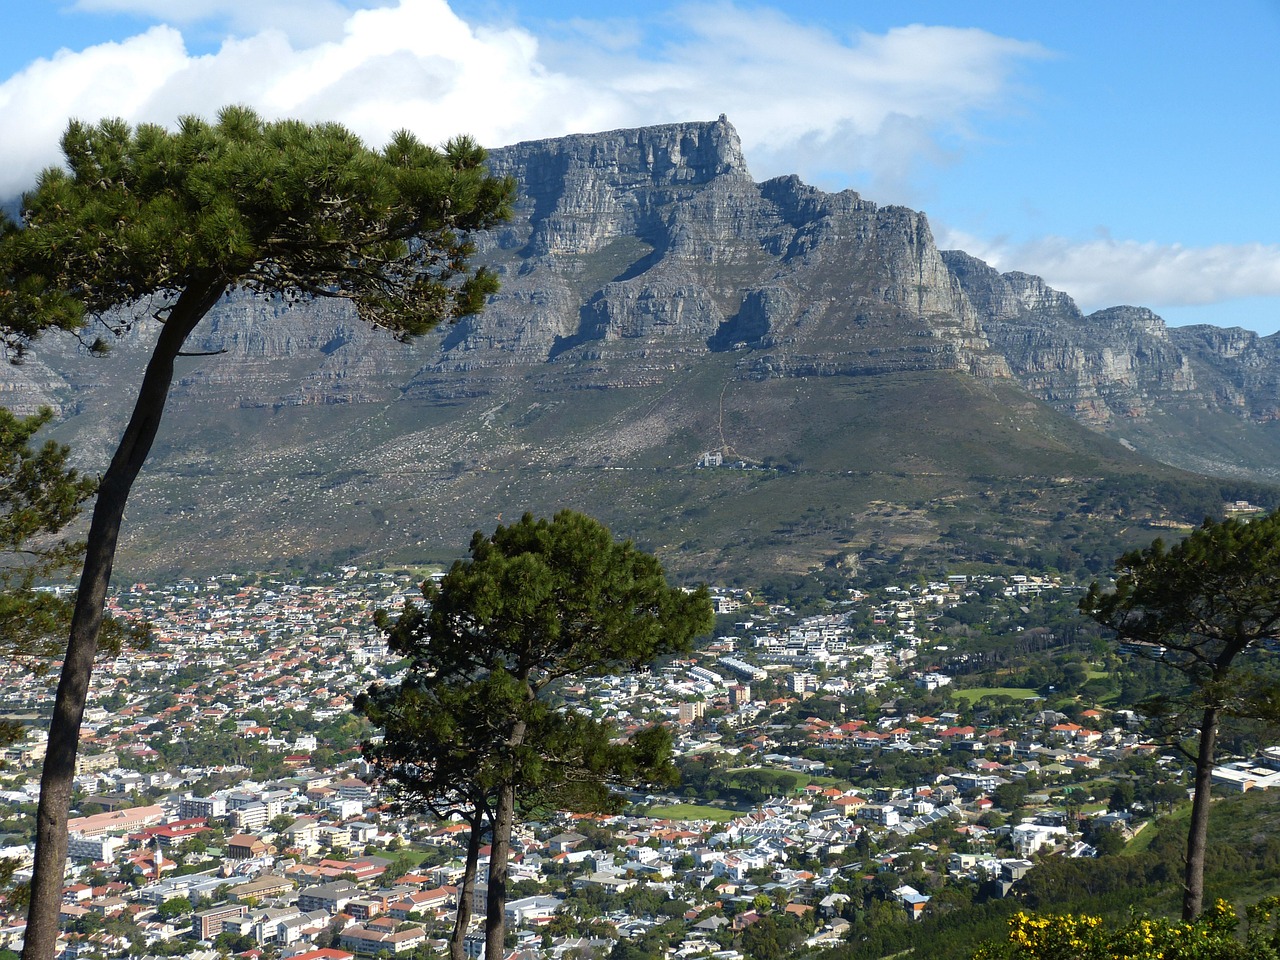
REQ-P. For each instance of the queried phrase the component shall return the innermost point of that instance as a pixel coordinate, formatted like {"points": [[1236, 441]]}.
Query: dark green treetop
{"points": [[547, 599], [283, 207], [39, 495], [1204, 600]]}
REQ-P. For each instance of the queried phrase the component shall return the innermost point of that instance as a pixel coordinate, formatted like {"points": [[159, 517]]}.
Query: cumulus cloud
{"points": [[804, 100], [414, 65], [111, 79], [1107, 272]]}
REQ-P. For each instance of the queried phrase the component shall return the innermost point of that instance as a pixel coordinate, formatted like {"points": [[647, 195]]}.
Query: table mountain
{"points": [[748, 377]]}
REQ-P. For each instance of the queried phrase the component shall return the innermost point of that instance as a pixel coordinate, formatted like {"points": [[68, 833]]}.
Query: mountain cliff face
{"points": [[1199, 397], [1115, 363], [658, 241], [657, 303]]}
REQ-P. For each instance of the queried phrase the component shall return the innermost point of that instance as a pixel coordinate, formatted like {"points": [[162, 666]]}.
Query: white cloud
{"points": [[413, 65], [109, 80], [1106, 272], [869, 107], [804, 100]]}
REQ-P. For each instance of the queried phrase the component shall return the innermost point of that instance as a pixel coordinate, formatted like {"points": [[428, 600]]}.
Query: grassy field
{"points": [[802, 780], [690, 811], [974, 694], [1141, 842], [825, 782]]}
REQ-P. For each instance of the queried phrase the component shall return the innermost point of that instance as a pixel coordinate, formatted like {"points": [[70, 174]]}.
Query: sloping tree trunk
{"points": [[1198, 831], [41, 935], [462, 916]]}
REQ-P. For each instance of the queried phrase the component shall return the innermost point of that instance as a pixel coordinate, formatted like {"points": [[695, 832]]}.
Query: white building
{"points": [[102, 848], [210, 808], [1030, 837]]}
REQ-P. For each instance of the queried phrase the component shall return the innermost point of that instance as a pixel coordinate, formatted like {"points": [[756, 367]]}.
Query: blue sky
{"points": [[1124, 151]]}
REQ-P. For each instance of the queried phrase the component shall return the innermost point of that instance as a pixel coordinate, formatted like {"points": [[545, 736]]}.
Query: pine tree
{"points": [[39, 496], [145, 221], [1199, 607], [537, 603]]}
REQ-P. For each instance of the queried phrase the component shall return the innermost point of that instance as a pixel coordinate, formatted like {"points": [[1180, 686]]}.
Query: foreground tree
{"points": [[433, 751], [1198, 607], [538, 602], [443, 749], [151, 222]]}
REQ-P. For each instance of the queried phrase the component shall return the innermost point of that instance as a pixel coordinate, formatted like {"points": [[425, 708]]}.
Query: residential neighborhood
{"points": [[833, 768]]}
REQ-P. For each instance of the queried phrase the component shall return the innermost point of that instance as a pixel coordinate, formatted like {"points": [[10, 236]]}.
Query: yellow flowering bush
{"points": [[1214, 936]]}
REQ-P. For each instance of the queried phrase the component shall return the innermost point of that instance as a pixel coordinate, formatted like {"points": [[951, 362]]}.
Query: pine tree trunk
{"points": [[495, 929], [462, 916], [41, 936], [1198, 831], [504, 818]]}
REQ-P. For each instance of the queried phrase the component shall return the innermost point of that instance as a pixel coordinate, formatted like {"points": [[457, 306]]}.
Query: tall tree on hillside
{"points": [[145, 221], [536, 603], [1199, 607]]}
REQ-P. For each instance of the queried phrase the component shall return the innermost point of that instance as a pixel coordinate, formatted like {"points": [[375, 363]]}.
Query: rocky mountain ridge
{"points": [[658, 304]]}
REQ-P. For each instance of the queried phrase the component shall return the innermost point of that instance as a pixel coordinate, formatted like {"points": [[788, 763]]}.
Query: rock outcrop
{"points": [[658, 242]]}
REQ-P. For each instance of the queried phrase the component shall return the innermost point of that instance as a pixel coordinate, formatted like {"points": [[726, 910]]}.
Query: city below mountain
{"points": [[750, 379]]}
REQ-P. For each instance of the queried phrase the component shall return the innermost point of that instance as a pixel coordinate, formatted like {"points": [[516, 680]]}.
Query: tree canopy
{"points": [[39, 495], [149, 222], [1204, 600], [536, 603], [145, 215], [546, 599]]}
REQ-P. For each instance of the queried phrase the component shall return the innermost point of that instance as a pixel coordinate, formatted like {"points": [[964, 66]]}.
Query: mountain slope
{"points": [[870, 396]]}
